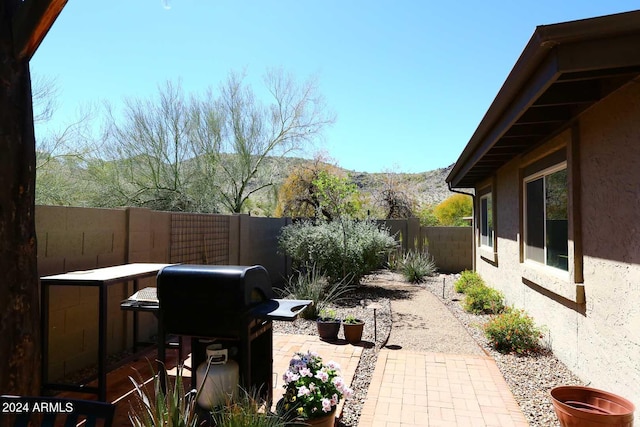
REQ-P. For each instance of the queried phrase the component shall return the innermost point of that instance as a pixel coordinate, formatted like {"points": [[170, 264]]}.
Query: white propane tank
{"points": [[220, 376]]}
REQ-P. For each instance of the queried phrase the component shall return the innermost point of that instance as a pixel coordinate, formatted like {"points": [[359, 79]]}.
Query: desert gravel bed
{"points": [[529, 377]]}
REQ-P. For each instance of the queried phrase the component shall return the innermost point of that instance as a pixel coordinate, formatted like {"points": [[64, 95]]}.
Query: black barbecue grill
{"points": [[230, 304]]}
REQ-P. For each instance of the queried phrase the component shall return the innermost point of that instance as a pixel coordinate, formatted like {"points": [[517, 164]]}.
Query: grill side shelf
{"points": [[280, 309]]}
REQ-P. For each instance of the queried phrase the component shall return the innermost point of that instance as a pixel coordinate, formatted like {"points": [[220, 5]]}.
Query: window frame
{"points": [[482, 214], [542, 173]]}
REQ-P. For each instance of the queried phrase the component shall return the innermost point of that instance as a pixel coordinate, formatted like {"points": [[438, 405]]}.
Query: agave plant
{"points": [[312, 285], [415, 266], [170, 408], [246, 410]]}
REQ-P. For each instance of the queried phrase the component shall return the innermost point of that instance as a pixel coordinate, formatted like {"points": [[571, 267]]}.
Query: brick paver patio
{"points": [[435, 389]]}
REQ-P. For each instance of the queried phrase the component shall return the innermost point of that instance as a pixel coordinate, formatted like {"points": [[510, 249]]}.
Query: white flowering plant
{"points": [[312, 388]]}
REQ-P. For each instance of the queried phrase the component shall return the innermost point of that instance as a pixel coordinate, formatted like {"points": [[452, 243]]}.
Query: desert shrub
{"points": [[311, 285], [246, 410], [343, 250], [155, 405], [481, 299], [415, 266], [467, 279], [513, 331]]}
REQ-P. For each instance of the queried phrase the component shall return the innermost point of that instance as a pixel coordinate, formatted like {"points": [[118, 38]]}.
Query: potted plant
{"points": [[353, 328], [328, 325], [312, 390]]}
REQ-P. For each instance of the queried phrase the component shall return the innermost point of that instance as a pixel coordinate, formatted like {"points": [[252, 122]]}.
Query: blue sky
{"points": [[409, 81]]}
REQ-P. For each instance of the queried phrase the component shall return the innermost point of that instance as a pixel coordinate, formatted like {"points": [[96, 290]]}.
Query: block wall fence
{"points": [[71, 239]]}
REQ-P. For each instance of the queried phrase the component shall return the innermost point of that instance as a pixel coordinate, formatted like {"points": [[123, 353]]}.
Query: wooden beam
{"points": [[31, 22]]}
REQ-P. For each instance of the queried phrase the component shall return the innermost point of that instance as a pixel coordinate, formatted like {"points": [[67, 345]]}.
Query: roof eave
{"points": [[538, 62]]}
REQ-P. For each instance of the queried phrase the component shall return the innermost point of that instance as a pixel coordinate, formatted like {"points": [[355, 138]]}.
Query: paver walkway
{"points": [[436, 374], [436, 389]]}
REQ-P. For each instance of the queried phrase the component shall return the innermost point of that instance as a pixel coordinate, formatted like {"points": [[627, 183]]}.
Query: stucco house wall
{"points": [[598, 339]]}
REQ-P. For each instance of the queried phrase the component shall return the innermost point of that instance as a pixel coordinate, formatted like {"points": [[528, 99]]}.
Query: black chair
{"points": [[54, 411]]}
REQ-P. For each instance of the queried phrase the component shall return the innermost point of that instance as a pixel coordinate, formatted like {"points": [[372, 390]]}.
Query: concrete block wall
{"points": [[451, 247], [260, 245], [200, 238], [72, 239]]}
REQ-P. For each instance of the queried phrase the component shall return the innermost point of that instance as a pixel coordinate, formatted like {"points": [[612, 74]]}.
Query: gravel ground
{"points": [[409, 317]]}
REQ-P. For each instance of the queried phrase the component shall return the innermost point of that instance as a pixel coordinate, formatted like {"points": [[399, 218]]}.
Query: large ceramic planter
{"points": [[353, 331], [590, 407], [328, 420], [328, 329]]}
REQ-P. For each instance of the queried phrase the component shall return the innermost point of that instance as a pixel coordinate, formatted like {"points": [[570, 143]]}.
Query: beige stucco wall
{"points": [[450, 247], [600, 339]]}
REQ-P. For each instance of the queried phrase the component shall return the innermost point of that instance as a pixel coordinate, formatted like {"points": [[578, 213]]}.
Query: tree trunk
{"points": [[20, 353]]}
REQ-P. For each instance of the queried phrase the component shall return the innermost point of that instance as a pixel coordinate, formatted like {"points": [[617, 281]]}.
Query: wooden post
{"points": [[23, 24]]}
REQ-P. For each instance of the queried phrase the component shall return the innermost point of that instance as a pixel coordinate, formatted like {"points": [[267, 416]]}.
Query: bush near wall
{"points": [[481, 299], [467, 279], [343, 250], [513, 331]]}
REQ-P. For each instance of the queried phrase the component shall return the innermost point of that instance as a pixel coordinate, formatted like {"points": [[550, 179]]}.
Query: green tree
{"points": [[427, 216], [337, 196], [161, 154], [298, 195], [451, 212], [252, 132]]}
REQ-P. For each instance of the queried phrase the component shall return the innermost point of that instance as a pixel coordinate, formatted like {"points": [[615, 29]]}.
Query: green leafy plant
{"points": [[351, 320], [481, 299], [467, 279], [415, 266], [328, 315], [513, 331], [173, 408], [311, 285]]}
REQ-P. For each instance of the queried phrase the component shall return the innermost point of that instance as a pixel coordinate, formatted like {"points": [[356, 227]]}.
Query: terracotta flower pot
{"points": [[590, 407], [353, 331], [328, 420], [328, 329]]}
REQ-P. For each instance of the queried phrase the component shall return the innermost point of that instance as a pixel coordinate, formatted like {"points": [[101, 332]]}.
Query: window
{"points": [[546, 217], [486, 220]]}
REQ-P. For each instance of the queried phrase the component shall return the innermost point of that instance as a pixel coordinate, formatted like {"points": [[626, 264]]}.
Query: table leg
{"points": [[135, 319], [161, 353], [44, 330], [102, 344]]}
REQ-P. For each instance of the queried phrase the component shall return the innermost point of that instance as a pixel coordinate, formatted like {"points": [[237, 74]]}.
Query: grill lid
{"points": [[222, 287], [210, 300]]}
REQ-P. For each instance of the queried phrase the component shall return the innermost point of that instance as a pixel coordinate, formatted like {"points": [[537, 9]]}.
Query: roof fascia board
{"points": [[534, 53], [588, 55], [544, 39], [546, 74], [31, 23]]}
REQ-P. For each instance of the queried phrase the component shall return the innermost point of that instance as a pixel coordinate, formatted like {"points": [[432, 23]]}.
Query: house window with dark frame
{"points": [[546, 217], [486, 220]]}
